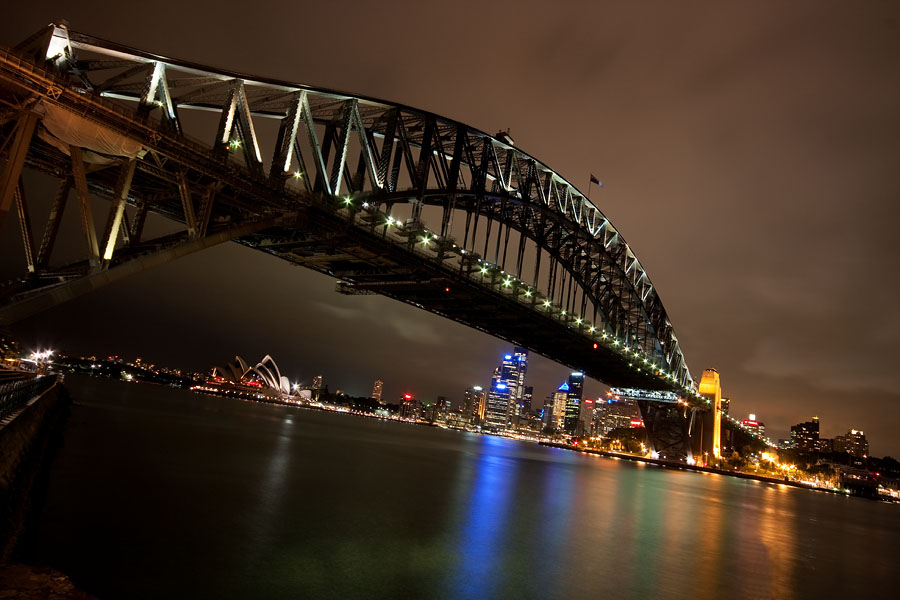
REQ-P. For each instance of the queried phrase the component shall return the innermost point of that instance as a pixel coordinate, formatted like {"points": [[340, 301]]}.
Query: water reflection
{"points": [[245, 500], [483, 532]]}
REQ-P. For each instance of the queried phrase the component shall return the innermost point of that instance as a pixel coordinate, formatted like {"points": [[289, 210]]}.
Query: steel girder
{"points": [[331, 146]]}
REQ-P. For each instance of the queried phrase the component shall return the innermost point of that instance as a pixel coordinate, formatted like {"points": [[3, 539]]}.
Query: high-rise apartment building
{"points": [[376, 390], [805, 436], [854, 443]]}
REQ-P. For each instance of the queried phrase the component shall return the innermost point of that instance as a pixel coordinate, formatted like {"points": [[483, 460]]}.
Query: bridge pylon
{"points": [[708, 437]]}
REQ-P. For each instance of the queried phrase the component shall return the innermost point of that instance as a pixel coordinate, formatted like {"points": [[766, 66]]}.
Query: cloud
{"points": [[847, 371], [340, 312]]}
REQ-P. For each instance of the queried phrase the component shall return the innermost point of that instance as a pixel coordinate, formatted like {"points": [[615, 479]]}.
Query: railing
{"points": [[16, 394]]}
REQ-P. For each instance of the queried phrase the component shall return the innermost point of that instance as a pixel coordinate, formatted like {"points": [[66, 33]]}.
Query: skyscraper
{"points": [[586, 417], [527, 397], [558, 414], [496, 414], [507, 389], [520, 368], [572, 424], [376, 390], [473, 405]]}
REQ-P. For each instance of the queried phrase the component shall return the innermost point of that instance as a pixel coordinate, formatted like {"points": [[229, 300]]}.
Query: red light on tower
{"points": [[407, 396]]}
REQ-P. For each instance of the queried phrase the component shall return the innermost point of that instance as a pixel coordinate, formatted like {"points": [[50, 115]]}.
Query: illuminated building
{"points": [[825, 445], [376, 390], [854, 443], [586, 417], [616, 413], [497, 409], [710, 388], [805, 436], [517, 387], [755, 426], [410, 408], [558, 410], [507, 390], [482, 406], [264, 375], [439, 410], [527, 398], [316, 387], [260, 382], [572, 422], [473, 405]]}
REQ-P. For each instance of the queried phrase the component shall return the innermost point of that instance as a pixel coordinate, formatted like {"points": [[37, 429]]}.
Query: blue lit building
{"points": [[507, 390]]}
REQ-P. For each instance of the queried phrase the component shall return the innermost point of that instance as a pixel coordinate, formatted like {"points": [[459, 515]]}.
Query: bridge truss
{"points": [[515, 250]]}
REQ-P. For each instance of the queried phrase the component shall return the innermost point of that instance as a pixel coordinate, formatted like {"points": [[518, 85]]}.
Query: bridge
{"points": [[385, 198]]}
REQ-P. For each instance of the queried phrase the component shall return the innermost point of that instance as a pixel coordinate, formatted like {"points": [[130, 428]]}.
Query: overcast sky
{"points": [[750, 153]]}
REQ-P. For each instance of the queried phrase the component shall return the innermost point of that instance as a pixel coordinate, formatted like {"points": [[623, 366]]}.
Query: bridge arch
{"points": [[359, 158]]}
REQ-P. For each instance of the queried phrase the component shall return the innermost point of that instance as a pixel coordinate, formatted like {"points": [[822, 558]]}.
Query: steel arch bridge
{"points": [[514, 249]]}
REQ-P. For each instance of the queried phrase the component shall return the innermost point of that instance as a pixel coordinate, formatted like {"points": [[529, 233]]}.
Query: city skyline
{"points": [[788, 316]]}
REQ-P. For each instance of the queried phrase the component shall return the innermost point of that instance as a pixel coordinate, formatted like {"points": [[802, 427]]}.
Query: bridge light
{"points": [[578, 321], [562, 312], [484, 270], [507, 282], [348, 201], [298, 175], [365, 205], [547, 303], [528, 293], [592, 329]]}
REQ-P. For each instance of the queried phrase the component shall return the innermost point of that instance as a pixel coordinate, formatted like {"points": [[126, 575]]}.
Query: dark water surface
{"points": [[161, 493]]}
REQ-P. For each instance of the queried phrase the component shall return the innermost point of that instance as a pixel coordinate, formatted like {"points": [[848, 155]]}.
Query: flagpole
{"points": [[590, 183]]}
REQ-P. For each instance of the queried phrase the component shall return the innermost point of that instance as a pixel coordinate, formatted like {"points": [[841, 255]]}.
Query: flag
{"points": [[595, 180]]}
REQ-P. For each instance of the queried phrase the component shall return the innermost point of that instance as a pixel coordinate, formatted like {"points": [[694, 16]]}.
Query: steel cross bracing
{"points": [[343, 169]]}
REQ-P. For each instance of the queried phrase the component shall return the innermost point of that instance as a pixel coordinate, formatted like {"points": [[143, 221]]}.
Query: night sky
{"points": [[750, 154]]}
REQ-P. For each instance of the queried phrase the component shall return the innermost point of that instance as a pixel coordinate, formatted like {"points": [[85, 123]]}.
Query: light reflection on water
{"points": [[161, 493]]}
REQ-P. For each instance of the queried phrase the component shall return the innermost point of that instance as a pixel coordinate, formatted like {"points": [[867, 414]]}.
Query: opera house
{"points": [[262, 381]]}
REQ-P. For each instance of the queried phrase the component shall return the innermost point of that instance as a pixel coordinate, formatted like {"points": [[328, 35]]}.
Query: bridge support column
{"points": [[9, 178], [668, 429]]}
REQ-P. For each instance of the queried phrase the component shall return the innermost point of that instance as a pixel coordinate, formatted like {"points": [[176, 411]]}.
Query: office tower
{"points": [[527, 398], [572, 422], [507, 390], [558, 412]]}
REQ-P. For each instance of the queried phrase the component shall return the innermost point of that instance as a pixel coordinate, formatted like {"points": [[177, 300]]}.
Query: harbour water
{"points": [[163, 493]]}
